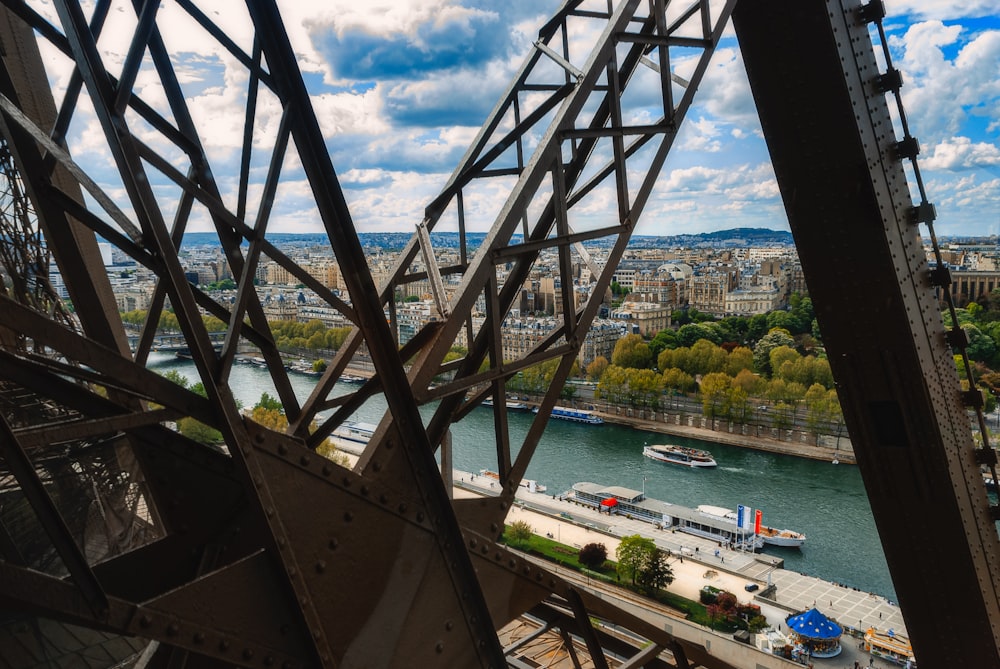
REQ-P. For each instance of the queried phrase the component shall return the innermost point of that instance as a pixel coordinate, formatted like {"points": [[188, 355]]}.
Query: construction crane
{"points": [[262, 552]]}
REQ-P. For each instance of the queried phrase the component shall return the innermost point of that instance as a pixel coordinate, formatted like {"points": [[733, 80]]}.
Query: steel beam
{"points": [[815, 80]]}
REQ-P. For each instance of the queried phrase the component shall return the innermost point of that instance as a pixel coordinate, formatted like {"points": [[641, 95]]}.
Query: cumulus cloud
{"points": [[961, 153], [401, 87], [943, 10], [942, 93]]}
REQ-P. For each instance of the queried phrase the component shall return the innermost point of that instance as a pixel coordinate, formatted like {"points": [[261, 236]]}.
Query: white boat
{"points": [[769, 535], [530, 484], [679, 455], [352, 437], [788, 538], [358, 432], [575, 415], [511, 406], [707, 522]]}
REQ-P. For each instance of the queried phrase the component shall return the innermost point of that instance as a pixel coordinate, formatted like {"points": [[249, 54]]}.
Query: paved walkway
{"points": [[754, 437], [695, 563]]}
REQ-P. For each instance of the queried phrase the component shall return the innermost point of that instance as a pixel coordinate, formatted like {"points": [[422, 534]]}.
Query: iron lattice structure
{"points": [[266, 553]]}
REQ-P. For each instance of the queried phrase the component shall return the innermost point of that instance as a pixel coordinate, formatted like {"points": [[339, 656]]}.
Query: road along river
{"points": [[826, 502]]}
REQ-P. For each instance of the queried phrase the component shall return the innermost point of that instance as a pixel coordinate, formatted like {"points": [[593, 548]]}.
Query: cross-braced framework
{"points": [[260, 551], [267, 553]]}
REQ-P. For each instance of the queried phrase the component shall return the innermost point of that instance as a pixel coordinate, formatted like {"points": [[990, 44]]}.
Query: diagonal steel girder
{"points": [[581, 110], [283, 520]]}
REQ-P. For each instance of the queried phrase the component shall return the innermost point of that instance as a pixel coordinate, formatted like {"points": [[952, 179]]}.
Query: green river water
{"points": [[824, 501]]}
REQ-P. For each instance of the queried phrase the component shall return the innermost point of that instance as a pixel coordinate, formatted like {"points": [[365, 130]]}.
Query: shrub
{"points": [[593, 555]]}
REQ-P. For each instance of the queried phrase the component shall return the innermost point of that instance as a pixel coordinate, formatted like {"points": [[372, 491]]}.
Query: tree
{"points": [[596, 368], [780, 355], [273, 419], [740, 359], [981, 346], [715, 394], [267, 401], [748, 382], [613, 384], [197, 431], [664, 339], [329, 451], [632, 351], [688, 334], [593, 555], [645, 387], [518, 533], [706, 357], [678, 380], [724, 607], [656, 573], [316, 340], [177, 377], [769, 342], [633, 554]]}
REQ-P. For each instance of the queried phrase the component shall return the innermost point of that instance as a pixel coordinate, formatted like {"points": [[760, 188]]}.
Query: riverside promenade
{"points": [[695, 564], [696, 426]]}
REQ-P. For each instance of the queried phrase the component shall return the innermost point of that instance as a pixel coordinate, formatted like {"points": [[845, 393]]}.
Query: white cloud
{"points": [[940, 94], [962, 153], [940, 9]]}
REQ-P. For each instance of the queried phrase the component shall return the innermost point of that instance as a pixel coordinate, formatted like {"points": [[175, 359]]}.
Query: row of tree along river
{"points": [[826, 502]]}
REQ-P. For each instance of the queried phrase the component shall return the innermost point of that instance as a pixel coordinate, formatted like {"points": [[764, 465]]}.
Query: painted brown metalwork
{"points": [[263, 551]]}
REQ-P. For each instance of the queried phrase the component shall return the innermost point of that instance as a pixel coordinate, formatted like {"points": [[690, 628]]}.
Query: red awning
{"points": [[611, 501]]}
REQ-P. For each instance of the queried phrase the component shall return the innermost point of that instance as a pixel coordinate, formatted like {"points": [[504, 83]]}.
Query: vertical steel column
{"points": [[823, 110]]}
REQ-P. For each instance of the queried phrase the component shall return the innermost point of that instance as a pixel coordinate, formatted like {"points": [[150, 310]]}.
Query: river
{"points": [[824, 501]]}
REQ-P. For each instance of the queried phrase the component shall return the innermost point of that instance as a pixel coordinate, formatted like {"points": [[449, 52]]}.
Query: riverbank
{"points": [[780, 593], [784, 442]]}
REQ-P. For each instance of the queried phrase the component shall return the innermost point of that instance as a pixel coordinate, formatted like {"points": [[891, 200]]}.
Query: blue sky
{"points": [[433, 70], [402, 86]]}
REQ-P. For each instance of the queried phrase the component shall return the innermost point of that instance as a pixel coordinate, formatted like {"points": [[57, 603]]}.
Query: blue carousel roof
{"points": [[814, 625]]}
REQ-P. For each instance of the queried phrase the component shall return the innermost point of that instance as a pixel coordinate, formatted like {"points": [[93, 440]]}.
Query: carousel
{"points": [[815, 635]]}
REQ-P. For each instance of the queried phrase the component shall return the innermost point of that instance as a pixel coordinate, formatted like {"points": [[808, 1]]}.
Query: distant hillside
{"points": [[724, 238], [389, 241]]}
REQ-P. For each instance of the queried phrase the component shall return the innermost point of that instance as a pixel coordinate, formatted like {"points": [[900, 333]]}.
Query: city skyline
{"points": [[401, 88]]}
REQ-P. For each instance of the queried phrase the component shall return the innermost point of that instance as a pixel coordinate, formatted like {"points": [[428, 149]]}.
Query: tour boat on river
{"points": [[352, 436], [665, 515], [679, 455], [575, 415], [511, 406]]}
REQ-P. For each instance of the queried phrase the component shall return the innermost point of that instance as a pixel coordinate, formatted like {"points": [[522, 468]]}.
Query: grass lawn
{"points": [[567, 556]]}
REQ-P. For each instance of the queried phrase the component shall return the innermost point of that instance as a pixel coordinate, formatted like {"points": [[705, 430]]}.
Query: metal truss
{"points": [[841, 168], [263, 552]]}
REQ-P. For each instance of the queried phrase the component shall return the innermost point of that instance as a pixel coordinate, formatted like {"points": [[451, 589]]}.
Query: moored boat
{"points": [[705, 522], [679, 455], [787, 538], [352, 437], [530, 484], [769, 535], [575, 415], [511, 406]]}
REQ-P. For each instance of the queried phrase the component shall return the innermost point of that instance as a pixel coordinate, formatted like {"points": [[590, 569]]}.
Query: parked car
{"points": [[751, 587]]}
